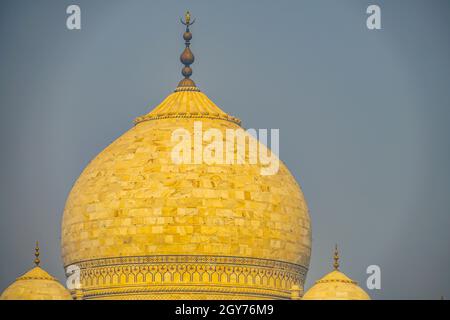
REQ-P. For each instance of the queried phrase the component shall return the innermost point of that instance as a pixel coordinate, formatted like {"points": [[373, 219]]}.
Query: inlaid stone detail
{"points": [[189, 276]]}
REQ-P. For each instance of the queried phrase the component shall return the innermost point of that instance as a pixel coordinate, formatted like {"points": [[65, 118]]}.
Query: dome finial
{"points": [[37, 261], [187, 57], [336, 258], [187, 19]]}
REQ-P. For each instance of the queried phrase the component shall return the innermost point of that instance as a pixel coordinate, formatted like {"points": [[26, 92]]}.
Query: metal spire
{"points": [[37, 261], [187, 57], [336, 258]]}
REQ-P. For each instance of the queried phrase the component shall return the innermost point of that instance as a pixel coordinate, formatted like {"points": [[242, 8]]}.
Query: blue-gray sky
{"points": [[363, 116]]}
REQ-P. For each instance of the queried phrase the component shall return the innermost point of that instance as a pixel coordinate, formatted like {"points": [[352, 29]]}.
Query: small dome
{"points": [[36, 284], [335, 286]]}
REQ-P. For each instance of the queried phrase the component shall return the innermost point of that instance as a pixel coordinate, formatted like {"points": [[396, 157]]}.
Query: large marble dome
{"points": [[140, 226]]}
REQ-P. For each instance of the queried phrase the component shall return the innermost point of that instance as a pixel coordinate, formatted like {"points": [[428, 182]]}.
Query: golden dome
{"points": [[36, 284], [335, 286], [143, 227]]}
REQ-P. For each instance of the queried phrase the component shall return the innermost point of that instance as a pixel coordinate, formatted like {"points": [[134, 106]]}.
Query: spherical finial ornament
{"points": [[187, 72], [37, 261], [187, 36]]}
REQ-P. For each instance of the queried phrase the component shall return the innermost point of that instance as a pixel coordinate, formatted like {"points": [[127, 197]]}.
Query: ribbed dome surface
{"points": [[190, 104]]}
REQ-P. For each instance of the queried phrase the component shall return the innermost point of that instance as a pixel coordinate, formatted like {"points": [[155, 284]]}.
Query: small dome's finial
{"points": [[336, 258], [187, 57], [187, 19], [37, 261]]}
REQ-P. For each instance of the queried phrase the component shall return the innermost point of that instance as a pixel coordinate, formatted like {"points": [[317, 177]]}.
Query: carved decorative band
{"points": [[186, 292], [189, 274], [208, 259], [187, 115], [182, 88]]}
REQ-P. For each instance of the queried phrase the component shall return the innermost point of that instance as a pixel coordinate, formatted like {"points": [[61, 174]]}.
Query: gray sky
{"points": [[363, 116]]}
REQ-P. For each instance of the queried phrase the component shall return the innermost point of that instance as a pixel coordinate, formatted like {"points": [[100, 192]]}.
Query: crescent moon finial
{"points": [[187, 19]]}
